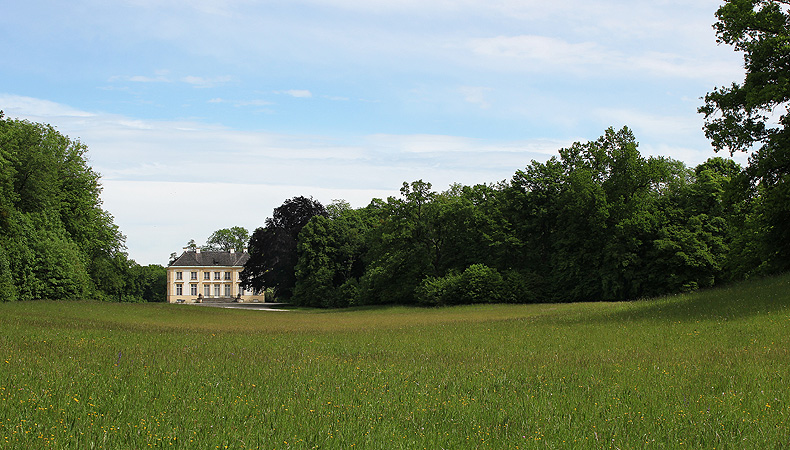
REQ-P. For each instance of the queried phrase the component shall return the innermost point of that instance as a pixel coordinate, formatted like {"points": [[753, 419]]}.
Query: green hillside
{"points": [[704, 370]]}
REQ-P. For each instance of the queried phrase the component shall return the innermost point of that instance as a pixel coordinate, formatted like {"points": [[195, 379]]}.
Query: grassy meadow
{"points": [[706, 370]]}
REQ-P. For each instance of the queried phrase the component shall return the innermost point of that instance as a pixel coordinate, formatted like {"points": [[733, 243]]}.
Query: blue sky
{"points": [[207, 114]]}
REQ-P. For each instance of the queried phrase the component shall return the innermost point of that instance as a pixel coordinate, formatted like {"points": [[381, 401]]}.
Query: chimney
{"points": [[197, 249], [232, 251]]}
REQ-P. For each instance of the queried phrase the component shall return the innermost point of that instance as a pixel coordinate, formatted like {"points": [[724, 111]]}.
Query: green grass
{"points": [[708, 370]]}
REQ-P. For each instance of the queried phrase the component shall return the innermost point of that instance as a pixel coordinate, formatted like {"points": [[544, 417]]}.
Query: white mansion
{"points": [[198, 276]]}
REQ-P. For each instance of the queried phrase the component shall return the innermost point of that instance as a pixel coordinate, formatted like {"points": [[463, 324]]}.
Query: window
{"points": [[216, 290], [193, 288], [216, 275], [206, 275], [227, 275], [179, 288], [227, 290], [207, 290], [193, 276], [179, 276]]}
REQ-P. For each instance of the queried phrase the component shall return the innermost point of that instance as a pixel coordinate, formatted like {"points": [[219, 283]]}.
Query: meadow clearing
{"points": [[705, 370]]}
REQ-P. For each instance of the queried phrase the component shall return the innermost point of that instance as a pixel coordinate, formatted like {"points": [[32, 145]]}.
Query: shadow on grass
{"points": [[735, 301], [316, 310]]}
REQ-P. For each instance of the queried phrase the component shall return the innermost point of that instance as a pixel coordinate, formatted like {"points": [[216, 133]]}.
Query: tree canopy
{"points": [[752, 115], [56, 240], [597, 222], [227, 239]]}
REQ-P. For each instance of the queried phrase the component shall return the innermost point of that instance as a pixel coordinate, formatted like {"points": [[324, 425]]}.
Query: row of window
{"points": [[206, 275], [193, 289]]}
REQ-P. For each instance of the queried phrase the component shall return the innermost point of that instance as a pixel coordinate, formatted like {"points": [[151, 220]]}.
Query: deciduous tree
{"points": [[331, 251], [752, 115], [273, 247], [227, 239], [54, 232]]}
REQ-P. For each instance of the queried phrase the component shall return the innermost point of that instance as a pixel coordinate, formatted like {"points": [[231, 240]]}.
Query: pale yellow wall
{"points": [[186, 282]]}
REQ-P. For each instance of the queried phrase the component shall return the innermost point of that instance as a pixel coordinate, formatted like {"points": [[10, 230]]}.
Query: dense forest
{"points": [[56, 241]]}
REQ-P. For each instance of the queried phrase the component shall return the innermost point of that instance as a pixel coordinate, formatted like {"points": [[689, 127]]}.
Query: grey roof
{"points": [[228, 259]]}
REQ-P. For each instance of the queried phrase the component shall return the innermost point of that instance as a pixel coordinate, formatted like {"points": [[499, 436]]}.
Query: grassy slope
{"points": [[708, 370]]}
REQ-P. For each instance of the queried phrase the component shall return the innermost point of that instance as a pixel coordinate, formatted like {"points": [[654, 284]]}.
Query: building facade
{"points": [[208, 276]]}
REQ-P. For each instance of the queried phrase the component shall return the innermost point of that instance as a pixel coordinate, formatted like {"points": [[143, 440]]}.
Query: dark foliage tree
{"points": [[752, 115], [273, 247]]}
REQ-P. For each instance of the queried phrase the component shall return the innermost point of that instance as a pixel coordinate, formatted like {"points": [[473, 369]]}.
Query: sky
{"points": [[208, 114]]}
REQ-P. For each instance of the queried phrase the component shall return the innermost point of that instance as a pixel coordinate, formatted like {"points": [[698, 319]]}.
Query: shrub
{"points": [[477, 284], [481, 284], [435, 291]]}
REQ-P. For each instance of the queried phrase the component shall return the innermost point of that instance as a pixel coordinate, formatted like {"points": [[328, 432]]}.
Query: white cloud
{"points": [[651, 124], [542, 50], [160, 76], [206, 82], [452, 146], [241, 103], [297, 93], [534, 53], [163, 76], [38, 108], [677, 66], [145, 79], [515, 8], [253, 103], [335, 98], [420, 143], [476, 95]]}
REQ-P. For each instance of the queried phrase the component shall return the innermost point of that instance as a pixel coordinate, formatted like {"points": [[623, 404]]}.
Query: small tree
{"points": [[227, 239]]}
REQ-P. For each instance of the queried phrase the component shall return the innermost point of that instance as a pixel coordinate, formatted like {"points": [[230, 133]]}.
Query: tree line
{"points": [[597, 222], [56, 240]]}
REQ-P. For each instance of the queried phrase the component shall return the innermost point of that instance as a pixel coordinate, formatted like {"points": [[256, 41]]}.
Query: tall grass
{"points": [[708, 370]]}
